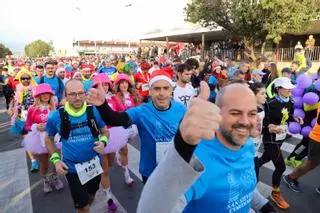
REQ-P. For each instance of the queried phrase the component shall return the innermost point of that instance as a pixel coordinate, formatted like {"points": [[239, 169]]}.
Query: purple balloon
{"points": [[298, 102], [305, 131], [294, 127], [297, 92], [317, 85], [310, 98], [299, 113], [304, 81], [313, 122]]}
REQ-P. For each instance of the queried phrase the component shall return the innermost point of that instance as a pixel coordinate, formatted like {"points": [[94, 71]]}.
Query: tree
{"points": [[4, 51], [254, 21], [38, 48]]}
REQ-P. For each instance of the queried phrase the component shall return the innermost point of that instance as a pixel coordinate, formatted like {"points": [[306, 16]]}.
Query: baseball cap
{"points": [[284, 83], [287, 70], [258, 72]]}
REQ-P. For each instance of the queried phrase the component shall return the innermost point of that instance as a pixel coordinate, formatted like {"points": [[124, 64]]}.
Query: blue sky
{"points": [[65, 20]]}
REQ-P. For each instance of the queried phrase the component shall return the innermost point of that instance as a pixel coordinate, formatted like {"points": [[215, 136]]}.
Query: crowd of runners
{"points": [[200, 125]]}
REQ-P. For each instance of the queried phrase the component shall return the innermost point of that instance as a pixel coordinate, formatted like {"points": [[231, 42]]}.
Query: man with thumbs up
{"points": [[210, 164], [157, 121]]}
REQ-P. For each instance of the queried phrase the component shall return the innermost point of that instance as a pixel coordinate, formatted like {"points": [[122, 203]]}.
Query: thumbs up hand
{"points": [[96, 96], [202, 118]]}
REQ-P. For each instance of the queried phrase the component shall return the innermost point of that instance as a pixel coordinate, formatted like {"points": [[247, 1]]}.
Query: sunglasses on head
{"points": [[27, 78]]}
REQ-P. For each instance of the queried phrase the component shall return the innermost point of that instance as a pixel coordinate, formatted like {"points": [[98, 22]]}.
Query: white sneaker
{"points": [[129, 181]]}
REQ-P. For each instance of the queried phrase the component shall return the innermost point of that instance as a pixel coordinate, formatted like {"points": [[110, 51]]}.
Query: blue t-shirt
{"points": [[109, 71], [154, 126], [228, 182], [54, 83], [87, 84], [37, 79], [78, 148]]}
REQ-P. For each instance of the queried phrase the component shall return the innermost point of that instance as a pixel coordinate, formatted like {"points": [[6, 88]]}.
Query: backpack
{"points": [[59, 84], [66, 126]]}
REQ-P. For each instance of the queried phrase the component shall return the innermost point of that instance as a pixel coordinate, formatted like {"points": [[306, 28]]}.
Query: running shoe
{"points": [[295, 163], [287, 161], [129, 181], [277, 198], [318, 190], [267, 208], [292, 184], [112, 206], [34, 166], [56, 182], [46, 186]]}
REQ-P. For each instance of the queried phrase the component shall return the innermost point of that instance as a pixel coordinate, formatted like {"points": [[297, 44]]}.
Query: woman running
{"points": [[35, 139], [23, 99], [118, 139], [278, 112], [127, 97]]}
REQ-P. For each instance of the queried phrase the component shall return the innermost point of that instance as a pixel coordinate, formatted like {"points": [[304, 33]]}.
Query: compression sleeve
{"points": [[185, 150], [113, 118]]}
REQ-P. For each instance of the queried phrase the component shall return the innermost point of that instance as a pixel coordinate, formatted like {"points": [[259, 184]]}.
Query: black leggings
{"points": [[301, 150], [272, 152]]}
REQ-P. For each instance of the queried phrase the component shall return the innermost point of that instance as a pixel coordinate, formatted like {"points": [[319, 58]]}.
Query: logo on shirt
{"points": [[185, 99]]}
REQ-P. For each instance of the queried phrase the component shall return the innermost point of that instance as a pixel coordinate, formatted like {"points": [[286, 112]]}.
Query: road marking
{"points": [[134, 158], [16, 196]]}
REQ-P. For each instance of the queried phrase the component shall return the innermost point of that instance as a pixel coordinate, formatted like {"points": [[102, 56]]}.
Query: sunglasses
{"points": [[22, 79]]}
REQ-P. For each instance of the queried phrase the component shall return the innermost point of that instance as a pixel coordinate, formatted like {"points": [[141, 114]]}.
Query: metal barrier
{"points": [[287, 54], [284, 55]]}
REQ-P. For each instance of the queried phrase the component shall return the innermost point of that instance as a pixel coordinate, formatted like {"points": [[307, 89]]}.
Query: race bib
{"points": [[161, 150], [283, 135], [24, 114], [145, 87], [88, 170]]}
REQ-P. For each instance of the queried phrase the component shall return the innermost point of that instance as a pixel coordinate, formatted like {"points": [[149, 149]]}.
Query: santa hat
{"points": [[160, 75], [60, 70]]}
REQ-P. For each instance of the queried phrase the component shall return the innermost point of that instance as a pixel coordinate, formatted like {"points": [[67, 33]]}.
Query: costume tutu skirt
{"points": [[18, 127], [118, 138], [34, 143]]}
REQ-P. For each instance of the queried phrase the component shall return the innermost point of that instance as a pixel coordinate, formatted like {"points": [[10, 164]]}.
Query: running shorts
{"points": [[82, 195], [314, 151]]}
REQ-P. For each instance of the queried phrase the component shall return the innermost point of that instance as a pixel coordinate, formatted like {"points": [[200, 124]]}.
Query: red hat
{"points": [[145, 66], [169, 70], [160, 75], [87, 67]]}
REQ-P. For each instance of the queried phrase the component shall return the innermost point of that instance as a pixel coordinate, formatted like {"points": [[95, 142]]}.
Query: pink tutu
{"points": [[32, 143], [118, 138]]}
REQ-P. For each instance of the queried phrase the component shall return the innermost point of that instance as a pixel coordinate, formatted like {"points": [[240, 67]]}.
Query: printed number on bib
{"points": [[88, 170], [145, 87], [161, 150], [283, 135]]}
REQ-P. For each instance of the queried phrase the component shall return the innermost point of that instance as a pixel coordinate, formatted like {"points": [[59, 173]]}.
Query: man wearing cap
{"points": [[239, 75], [157, 121], [61, 74], [86, 71], [107, 68], [142, 81], [256, 76]]}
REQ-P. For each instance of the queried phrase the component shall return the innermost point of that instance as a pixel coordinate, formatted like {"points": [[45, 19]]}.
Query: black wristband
{"points": [[185, 150]]}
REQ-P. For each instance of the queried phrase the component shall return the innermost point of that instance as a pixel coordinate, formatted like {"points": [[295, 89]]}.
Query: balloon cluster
{"points": [[302, 100]]}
